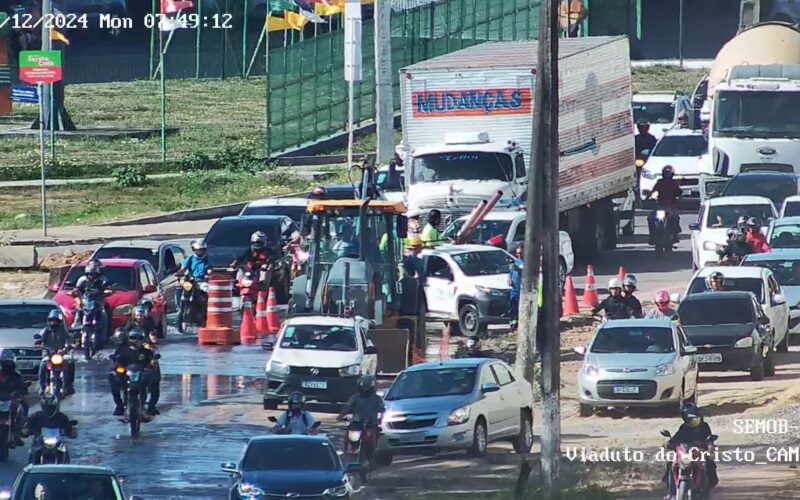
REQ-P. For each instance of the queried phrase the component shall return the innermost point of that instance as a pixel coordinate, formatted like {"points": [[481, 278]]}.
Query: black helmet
{"points": [[49, 404], [691, 414], [474, 343], [296, 398], [715, 276], [54, 318], [667, 172], [94, 268], [366, 384], [136, 336], [630, 281]]}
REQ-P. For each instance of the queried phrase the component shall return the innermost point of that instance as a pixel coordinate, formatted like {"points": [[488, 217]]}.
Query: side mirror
{"points": [[666, 434], [689, 350], [713, 437], [694, 226], [273, 420], [371, 349], [149, 289], [229, 467], [489, 387], [778, 299], [37, 336], [580, 350]]}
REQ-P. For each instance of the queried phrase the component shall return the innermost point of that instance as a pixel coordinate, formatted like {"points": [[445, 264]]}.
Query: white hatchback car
{"points": [[790, 207], [467, 284], [637, 362], [761, 282], [661, 109], [683, 149], [716, 217]]}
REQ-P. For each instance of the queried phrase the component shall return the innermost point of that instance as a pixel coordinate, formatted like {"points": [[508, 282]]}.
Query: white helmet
{"points": [[199, 245], [258, 240], [614, 283]]}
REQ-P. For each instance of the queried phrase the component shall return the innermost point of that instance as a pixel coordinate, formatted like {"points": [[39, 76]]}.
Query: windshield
{"points": [[236, 233], [290, 455], [717, 312], [633, 340], [483, 263], [147, 254], [753, 285], [319, 337], [469, 165], [791, 209], [654, 112], [433, 383], [120, 278], [757, 114], [24, 316], [785, 236], [777, 188], [787, 272], [728, 215], [485, 230], [295, 213], [64, 486], [681, 145]]}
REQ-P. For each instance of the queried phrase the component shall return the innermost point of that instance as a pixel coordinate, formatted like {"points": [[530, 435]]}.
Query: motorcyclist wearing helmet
{"points": [[197, 263], [154, 388], [663, 308], [93, 282], [714, 282], [614, 305], [669, 192], [693, 431], [629, 285], [13, 388], [133, 351], [735, 248], [54, 337], [644, 140], [257, 255], [141, 318], [754, 237], [296, 420], [48, 416], [365, 405]]}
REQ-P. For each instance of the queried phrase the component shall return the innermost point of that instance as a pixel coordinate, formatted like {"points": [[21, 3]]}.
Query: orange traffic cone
{"points": [[590, 298], [273, 318], [444, 348], [247, 330], [570, 299], [621, 273], [262, 326]]}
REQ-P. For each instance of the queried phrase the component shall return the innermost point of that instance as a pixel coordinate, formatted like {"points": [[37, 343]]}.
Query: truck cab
{"points": [[457, 175]]}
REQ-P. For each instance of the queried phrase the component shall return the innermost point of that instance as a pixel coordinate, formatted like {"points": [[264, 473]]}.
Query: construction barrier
{"points": [[621, 273], [219, 314], [590, 297]]}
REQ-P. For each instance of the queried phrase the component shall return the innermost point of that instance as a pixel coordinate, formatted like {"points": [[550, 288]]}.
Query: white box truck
{"points": [[467, 119]]}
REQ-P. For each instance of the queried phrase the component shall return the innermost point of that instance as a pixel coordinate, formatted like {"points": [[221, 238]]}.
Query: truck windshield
{"points": [[467, 165], [757, 114]]}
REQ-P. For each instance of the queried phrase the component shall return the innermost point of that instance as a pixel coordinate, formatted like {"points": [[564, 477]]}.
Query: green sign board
{"points": [[40, 66]]}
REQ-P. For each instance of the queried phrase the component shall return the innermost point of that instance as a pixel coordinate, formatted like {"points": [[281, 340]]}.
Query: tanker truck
{"points": [[752, 101]]}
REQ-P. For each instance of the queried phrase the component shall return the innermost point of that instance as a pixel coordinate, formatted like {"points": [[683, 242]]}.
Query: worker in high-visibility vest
{"points": [[431, 236]]}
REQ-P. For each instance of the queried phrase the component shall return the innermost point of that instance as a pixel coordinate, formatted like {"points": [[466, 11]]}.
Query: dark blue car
{"points": [[290, 466]]}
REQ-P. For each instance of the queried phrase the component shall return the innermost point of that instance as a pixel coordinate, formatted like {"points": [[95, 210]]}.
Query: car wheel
{"points": [[757, 371], [585, 410], [270, 404], [524, 441], [469, 320], [383, 459], [784, 345], [769, 364], [479, 439]]}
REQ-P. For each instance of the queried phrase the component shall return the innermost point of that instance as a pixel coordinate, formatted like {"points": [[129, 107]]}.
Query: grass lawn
{"points": [[210, 115]]}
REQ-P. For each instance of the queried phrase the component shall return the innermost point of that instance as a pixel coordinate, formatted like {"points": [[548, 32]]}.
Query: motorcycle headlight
{"points": [[50, 442], [249, 490], [354, 436], [639, 162], [664, 370], [277, 368], [710, 245], [458, 416], [661, 215], [591, 371], [337, 492], [686, 459], [648, 174], [745, 342], [120, 370], [56, 359], [490, 291], [124, 309], [350, 371]]}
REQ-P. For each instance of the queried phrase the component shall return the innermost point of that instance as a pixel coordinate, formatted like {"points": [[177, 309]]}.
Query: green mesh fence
{"points": [[308, 95]]}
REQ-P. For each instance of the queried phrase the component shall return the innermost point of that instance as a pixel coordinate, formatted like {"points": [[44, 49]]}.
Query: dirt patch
{"points": [[66, 258], [29, 284]]}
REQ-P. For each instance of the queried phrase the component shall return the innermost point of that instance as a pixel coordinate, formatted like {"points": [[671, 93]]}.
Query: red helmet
{"points": [[496, 241]]}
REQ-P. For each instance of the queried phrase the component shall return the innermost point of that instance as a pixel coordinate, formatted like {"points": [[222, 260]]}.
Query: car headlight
{"points": [[247, 489], [277, 368], [337, 492], [490, 291], [648, 174], [664, 370], [710, 245], [745, 342], [458, 416], [50, 442], [350, 371], [591, 371], [124, 309]]}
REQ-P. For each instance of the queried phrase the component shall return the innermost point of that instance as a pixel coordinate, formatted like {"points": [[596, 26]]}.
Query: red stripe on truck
{"points": [[599, 167]]}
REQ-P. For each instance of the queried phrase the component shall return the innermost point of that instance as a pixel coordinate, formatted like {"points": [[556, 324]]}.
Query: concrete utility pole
{"points": [[47, 44], [384, 106], [547, 159]]}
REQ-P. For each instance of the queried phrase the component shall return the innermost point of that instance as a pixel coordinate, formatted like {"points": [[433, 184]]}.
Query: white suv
{"points": [[468, 284]]}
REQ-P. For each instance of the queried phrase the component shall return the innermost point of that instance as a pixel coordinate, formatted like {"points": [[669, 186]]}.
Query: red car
{"points": [[131, 280]]}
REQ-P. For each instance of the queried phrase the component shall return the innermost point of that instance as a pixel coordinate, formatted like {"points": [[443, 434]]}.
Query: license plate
{"points": [[687, 192], [314, 384], [709, 358], [626, 389]]}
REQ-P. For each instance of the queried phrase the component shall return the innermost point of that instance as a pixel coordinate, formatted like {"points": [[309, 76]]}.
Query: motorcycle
{"points": [[661, 235], [192, 309], [49, 447], [687, 471], [249, 285], [9, 409], [360, 447], [278, 429], [91, 313], [57, 366], [134, 393]]}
